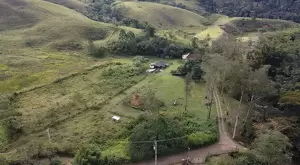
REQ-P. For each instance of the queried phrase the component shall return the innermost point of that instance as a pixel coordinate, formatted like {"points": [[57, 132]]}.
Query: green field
{"points": [[78, 109], [44, 42], [159, 15]]}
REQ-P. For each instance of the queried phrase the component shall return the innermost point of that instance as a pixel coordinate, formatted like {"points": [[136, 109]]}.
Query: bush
{"points": [[13, 127], [139, 61], [88, 155], [199, 139], [151, 129], [55, 161], [91, 155]]}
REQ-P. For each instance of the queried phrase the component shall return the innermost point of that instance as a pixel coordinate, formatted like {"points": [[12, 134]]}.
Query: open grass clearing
{"points": [[169, 88]]}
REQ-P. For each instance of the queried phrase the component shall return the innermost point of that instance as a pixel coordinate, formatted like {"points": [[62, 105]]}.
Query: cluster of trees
{"points": [[149, 44], [269, 148], [280, 52], [91, 155], [191, 66], [266, 79], [169, 2], [184, 129], [228, 71], [274, 9], [105, 11]]}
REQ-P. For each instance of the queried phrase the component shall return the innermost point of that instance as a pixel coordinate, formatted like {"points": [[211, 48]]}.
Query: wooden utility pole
{"points": [[49, 137], [155, 150], [236, 122]]}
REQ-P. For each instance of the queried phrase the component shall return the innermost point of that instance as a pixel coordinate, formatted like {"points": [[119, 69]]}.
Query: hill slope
{"points": [[288, 9], [160, 16], [40, 41]]}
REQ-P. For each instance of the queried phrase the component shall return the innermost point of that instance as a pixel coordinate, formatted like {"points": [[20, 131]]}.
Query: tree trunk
{"points": [[211, 100], [238, 114], [265, 114], [208, 117], [186, 101], [250, 108]]}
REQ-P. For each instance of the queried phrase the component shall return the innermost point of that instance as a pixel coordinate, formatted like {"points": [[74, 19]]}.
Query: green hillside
{"points": [[242, 26], [44, 41], [159, 15]]}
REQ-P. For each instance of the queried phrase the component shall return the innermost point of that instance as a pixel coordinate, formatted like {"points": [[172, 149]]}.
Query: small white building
{"points": [[151, 70], [185, 56], [116, 118]]}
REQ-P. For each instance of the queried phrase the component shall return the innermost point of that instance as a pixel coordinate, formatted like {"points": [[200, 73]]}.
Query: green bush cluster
{"points": [[192, 132], [139, 61], [105, 11], [199, 139], [191, 66], [145, 45], [91, 155], [156, 128]]}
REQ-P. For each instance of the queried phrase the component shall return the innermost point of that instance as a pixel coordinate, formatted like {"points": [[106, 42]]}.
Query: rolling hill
{"points": [[40, 41], [159, 15]]}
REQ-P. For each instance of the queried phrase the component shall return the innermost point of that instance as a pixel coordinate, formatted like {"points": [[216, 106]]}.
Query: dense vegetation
{"points": [[287, 9], [269, 148], [147, 44], [281, 52], [105, 11]]}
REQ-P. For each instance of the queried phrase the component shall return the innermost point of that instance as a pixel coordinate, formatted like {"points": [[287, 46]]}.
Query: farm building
{"points": [[159, 65], [191, 56]]}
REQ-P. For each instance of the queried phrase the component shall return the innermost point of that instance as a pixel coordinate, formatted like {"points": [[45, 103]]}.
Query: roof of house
{"points": [[161, 64], [191, 56], [185, 56]]}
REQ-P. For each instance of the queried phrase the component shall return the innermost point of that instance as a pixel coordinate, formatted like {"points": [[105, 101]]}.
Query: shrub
{"points": [[55, 161], [199, 139], [156, 128], [13, 127], [88, 155]]}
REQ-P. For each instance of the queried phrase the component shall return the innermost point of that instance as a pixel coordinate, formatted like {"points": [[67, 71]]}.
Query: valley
{"points": [[68, 67]]}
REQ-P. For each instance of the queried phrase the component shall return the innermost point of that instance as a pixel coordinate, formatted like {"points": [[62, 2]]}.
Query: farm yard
{"points": [[78, 110]]}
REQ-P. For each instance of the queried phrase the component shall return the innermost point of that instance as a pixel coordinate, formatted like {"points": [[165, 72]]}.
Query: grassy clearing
{"points": [[160, 16], [169, 88]]}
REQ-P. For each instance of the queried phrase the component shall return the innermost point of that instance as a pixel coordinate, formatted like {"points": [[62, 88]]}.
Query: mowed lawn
{"points": [[168, 88]]}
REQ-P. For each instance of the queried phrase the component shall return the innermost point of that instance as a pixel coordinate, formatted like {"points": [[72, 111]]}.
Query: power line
{"points": [[152, 141]]}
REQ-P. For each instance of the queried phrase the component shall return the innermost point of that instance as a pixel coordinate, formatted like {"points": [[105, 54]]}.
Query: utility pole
{"points": [[188, 156], [155, 150], [49, 137], [236, 122]]}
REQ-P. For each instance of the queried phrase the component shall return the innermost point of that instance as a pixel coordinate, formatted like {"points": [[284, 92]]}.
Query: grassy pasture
{"points": [[73, 108], [78, 109], [45, 41], [169, 88], [159, 15]]}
